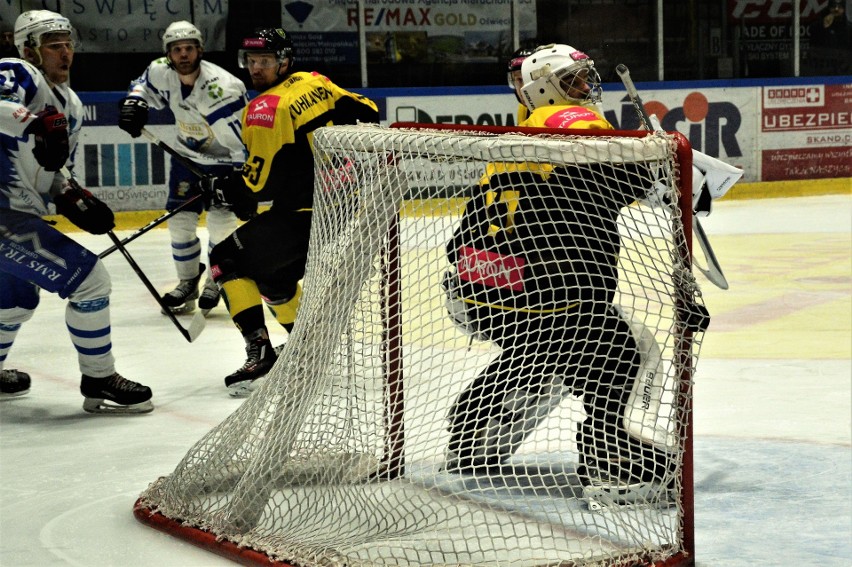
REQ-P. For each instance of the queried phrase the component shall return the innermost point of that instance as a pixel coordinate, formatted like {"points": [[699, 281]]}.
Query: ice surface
{"points": [[772, 405]]}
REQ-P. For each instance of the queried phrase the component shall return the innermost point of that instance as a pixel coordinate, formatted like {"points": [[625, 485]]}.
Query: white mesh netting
{"points": [[491, 364]]}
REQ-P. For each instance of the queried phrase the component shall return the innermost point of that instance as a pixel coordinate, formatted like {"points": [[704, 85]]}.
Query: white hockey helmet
{"points": [[559, 74], [31, 25], [181, 30]]}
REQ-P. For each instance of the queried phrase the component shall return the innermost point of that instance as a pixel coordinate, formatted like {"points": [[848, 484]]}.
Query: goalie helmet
{"points": [[559, 74], [31, 25], [513, 71], [269, 40], [181, 30]]}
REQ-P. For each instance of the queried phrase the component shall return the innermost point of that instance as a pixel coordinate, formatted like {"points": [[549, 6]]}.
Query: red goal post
{"points": [[348, 434]]}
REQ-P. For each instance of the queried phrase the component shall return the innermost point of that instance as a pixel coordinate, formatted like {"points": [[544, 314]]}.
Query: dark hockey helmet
{"points": [[514, 64], [267, 40]]}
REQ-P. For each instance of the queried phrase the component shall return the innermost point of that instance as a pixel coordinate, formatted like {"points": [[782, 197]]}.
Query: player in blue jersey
{"points": [[40, 119]]}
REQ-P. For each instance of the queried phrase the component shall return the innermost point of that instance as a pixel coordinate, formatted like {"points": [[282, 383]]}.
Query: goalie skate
{"points": [[115, 395], [13, 383], [602, 491], [182, 299]]}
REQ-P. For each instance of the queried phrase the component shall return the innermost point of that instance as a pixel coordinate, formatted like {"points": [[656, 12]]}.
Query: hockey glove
{"points": [[83, 209], [49, 129], [133, 115], [231, 191]]}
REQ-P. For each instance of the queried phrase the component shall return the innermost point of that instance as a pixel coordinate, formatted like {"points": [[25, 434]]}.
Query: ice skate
{"points": [[260, 358], [209, 296], [602, 490], [13, 383], [115, 395], [182, 299]]}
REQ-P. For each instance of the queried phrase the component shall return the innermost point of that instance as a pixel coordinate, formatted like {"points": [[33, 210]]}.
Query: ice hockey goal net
{"points": [[492, 363]]}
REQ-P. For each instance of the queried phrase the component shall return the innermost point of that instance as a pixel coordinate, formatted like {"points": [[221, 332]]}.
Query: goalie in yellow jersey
{"points": [[264, 259], [535, 270]]}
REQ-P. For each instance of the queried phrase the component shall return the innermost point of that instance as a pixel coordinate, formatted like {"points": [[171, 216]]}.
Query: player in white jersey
{"points": [[207, 103], [40, 119]]}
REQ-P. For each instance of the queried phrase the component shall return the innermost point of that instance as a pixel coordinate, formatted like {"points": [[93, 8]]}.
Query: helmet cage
{"points": [[32, 25]]}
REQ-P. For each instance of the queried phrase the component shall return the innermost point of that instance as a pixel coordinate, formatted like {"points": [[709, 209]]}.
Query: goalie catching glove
{"points": [[231, 191], [86, 211], [49, 129]]}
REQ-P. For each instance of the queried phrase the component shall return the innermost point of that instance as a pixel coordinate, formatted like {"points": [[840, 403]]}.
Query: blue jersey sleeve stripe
{"points": [[226, 111]]}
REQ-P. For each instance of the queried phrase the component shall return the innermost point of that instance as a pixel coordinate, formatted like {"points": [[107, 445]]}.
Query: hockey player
{"points": [[206, 102], [40, 119], [265, 257], [554, 248]]}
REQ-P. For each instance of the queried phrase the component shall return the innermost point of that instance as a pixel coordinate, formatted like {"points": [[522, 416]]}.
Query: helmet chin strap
{"points": [[283, 76]]}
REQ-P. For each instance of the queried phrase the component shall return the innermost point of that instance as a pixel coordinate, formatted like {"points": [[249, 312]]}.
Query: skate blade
{"points": [[182, 309], [106, 407], [9, 396], [245, 388], [648, 494]]}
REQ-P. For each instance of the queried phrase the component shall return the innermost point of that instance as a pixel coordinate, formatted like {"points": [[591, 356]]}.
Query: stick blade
{"points": [[196, 325]]}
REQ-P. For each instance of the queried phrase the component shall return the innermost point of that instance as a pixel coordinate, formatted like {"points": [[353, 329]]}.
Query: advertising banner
{"points": [[771, 132], [126, 26], [467, 31], [721, 122], [806, 132]]}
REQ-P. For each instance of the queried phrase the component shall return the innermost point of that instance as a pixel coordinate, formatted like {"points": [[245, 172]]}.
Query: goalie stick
{"points": [[195, 327], [713, 272]]}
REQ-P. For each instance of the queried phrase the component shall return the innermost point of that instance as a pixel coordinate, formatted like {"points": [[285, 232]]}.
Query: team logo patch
{"points": [[261, 111], [491, 269], [567, 117]]}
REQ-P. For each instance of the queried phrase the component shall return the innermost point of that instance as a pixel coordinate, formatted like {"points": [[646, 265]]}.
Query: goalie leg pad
{"points": [[495, 414]]}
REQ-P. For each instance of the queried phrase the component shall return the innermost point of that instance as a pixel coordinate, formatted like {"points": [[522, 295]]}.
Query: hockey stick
{"points": [[195, 327], [187, 163], [198, 320], [153, 224], [184, 161], [714, 270]]}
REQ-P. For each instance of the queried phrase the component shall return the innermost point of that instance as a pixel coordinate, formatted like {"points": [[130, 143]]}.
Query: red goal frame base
{"points": [[247, 556]]}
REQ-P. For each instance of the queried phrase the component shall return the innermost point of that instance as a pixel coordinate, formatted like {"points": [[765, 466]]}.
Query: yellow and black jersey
{"points": [[277, 130], [523, 113], [567, 116]]}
